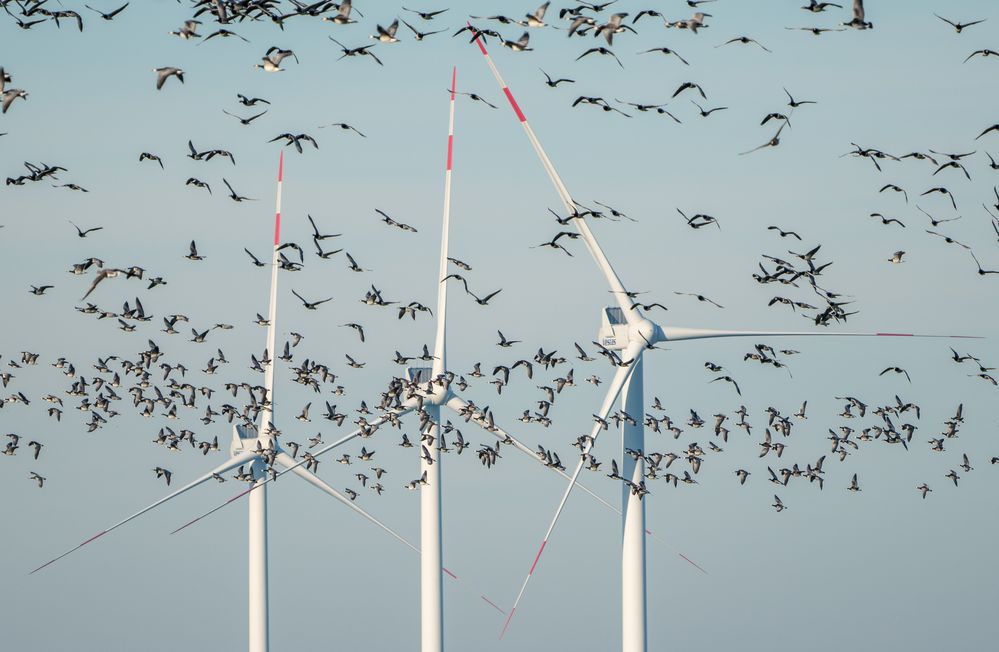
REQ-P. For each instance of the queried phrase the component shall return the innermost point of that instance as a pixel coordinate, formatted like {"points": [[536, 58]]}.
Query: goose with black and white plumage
{"points": [[273, 57], [535, 18], [9, 95], [693, 24], [520, 45], [818, 7], [858, 21], [387, 34], [100, 276], [613, 26], [342, 17], [165, 73], [188, 31]]}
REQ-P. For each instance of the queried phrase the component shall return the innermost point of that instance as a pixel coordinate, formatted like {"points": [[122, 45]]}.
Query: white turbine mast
{"points": [[625, 328]]}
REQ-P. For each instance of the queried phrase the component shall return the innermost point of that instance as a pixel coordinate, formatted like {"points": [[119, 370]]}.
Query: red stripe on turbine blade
{"points": [[529, 574], [454, 79], [894, 334], [507, 623], [538, 556], [513, 103], [450, 145], [692, 563], [493, 604], [453, 576], [277, 215], [96, 536]]}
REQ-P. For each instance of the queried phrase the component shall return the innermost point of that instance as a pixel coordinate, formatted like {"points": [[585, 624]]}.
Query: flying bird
{"points": [[244, 121], [163, 74], [959, 27], [107, 272], [699, 297], [418, 35], [310, 305], [82, 233], [250, 101], [858, 21], [553, 83], [193, 253], [604, 51], [146, 156], [109, 15], [233, 195], [745, 40], [344, 126], [773, 142], [426, 15]]}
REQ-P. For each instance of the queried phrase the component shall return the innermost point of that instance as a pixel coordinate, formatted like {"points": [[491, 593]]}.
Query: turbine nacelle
{"points": [[247, 439], [616, 333], [244, 439], [432, 390]]}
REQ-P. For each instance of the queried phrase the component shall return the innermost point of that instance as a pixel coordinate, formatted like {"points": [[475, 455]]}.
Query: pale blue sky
{"points": [[877, 570]]}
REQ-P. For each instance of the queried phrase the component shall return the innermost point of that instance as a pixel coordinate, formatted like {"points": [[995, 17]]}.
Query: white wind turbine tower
{"points": [[258, 448], [626, 329], [429, 392]]}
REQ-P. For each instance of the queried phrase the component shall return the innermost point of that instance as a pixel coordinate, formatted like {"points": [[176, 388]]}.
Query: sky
{"points": [[842, 569]]}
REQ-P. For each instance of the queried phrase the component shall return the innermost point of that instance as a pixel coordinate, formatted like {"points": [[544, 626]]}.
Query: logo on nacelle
{"points": [[610, 341]]}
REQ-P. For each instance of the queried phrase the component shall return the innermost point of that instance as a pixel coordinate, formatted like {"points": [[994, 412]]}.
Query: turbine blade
{"points": [[267, 412], [616, 287], [242, 458], [673, 333], [290, 464], [440, 344], [613, 391]]}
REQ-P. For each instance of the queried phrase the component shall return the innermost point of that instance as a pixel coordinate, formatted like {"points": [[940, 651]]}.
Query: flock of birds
{"points": [[177, 392]]}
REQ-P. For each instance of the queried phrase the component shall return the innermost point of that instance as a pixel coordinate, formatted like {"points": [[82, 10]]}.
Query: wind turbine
{"points": [[430, 387], [624, 328], [256, 447]]}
